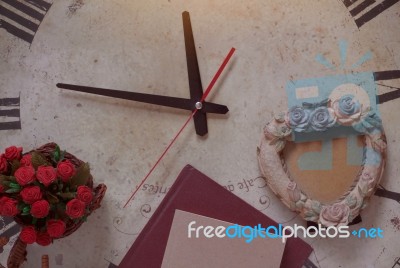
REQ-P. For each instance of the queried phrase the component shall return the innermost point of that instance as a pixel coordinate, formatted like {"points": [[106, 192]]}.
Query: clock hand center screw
{"points": [[199, 105]]}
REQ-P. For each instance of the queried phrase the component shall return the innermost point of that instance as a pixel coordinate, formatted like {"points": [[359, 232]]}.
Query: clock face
{"points": [[138, 46]]}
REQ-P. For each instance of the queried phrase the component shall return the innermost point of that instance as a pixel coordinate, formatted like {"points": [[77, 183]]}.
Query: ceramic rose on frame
{"points": [[345, 111]]}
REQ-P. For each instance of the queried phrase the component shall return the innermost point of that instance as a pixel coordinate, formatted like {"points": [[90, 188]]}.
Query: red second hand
{"points": [[210, 86]]}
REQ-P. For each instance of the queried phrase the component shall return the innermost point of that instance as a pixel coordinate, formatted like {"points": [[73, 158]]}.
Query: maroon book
{"points": [[196, 193]]}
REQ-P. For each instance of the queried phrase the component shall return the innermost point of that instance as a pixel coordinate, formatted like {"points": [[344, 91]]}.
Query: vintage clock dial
{"points": [[139, 46]]}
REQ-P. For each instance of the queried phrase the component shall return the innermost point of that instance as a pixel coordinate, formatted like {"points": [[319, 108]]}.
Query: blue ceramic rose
{"points": [[322, 118], [298, 118], [349, 106], [347, 110]]}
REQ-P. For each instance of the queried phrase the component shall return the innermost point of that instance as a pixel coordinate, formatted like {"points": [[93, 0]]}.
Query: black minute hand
{"points": [[196, 89], [174, 102]]}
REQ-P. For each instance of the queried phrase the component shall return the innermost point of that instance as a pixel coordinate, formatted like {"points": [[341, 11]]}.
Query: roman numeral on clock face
{"points": [[397, 264], [365, 10], [10, 113], [387, 75], [22, 19]]}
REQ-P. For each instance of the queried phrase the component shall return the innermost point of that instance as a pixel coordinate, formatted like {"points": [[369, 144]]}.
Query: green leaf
{"points": [[67, 195], [12, 179], [316, 207], [57, 154], [26, 210], [15, 185], [12, 190], [364, 204], [38, 160], [351, 201], [37, 183], [299, 204], [81, 176], [310, 216], [21, 205], [34, 220]]}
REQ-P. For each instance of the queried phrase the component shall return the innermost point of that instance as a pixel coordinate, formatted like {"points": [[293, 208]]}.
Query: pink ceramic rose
{"points": [[369, 173], [293, 191], [369, 176], [335, 215]]}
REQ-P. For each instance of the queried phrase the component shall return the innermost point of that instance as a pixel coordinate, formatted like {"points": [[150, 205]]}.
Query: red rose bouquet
{"points": [[48, 191]]}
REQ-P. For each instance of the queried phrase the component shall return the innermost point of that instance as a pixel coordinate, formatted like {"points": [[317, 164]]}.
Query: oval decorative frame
{"points": [[319, 117]]}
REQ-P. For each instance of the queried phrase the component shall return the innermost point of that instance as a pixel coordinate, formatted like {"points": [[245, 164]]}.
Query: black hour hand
{"points": [[174, 102]]}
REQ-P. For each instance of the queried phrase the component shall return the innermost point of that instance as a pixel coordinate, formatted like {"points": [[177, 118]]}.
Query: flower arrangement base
{"points": [[17, 254], [49, 192]]}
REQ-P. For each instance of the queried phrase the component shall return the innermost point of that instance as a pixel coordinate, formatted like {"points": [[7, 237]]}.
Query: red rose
{"points": [[40, 209], [43, 239], [13, 152], [28, 235], [55, 228], [31, 194], [26, 160], [84, 194], [25, 175], [8, 206], [3, 164], [46, 175], [75, 208], [65, 170]]}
